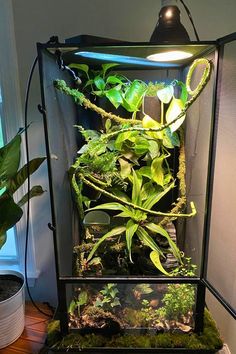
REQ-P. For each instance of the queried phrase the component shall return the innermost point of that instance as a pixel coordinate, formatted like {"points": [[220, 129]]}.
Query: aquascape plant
{"points": [[129, 164], [12, 177]]}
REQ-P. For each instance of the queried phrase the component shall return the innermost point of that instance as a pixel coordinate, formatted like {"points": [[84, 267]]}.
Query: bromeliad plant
{"points": [[11, 179], [139, 224]]}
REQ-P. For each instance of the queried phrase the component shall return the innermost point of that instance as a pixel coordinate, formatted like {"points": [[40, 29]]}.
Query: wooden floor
{"points": [[33, 337]]}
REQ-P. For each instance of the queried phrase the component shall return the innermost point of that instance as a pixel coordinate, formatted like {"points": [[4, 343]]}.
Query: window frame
{"points": [[12, 120]]}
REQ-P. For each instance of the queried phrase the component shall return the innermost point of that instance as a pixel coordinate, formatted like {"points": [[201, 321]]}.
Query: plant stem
{"points": [[162, 113]]}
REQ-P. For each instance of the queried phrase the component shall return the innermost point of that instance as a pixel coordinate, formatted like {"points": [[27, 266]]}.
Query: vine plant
{"points": [[129, 161]]}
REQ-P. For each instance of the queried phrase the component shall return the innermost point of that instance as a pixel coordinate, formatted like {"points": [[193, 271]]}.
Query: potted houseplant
{"points": [[11, 282]]}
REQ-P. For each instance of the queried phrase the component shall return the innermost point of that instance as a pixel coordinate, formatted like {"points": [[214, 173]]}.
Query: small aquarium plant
{"points": [[133, 170]]}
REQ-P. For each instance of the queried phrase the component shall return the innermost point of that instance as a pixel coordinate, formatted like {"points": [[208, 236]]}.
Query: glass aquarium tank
{"points": [[131, 145]]}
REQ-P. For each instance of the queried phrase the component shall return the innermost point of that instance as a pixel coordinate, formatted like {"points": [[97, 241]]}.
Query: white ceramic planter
{"points": [[12, 314]]}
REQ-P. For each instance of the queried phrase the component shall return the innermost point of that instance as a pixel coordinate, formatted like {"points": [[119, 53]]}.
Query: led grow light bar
{"points": [[122, 59]]}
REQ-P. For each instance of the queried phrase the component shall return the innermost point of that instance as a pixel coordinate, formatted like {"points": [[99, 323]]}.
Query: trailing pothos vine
{"points": [[128, 161]]}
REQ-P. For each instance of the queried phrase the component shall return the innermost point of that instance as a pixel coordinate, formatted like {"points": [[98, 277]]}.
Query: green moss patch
{"points": [[208, 340]]}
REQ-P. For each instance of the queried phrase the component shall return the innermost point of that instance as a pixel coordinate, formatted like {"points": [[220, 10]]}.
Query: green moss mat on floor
{"points": [[208, 340]]}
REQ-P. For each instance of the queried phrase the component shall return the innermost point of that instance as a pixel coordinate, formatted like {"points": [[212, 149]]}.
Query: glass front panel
{"points": [[141, 223], [125, 308]]}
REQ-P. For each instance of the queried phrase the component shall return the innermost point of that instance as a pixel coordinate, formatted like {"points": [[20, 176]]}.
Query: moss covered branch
{"points": [[134, 206], [180, 205], [79, 98]]}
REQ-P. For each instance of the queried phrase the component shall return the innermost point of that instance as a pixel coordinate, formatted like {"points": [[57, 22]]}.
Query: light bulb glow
{"points": [[168, 14], [172, 55]]}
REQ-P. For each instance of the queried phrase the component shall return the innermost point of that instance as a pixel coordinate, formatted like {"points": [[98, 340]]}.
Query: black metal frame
{"points": [[201, 281]]}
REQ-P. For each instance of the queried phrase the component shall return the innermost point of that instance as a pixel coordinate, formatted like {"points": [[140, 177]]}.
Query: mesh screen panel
{"points": [[221, 259]]}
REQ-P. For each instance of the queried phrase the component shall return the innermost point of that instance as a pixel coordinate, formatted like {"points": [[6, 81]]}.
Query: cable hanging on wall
{"points": [[28, 186]]}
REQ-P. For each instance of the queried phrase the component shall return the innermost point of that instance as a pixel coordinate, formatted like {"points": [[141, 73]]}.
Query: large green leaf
{"points": [[114, 80], [22, 174], [153, 148], [131, 228], [126, 214], [145, 171], [114, 97], [148, 123], [155, 258], [148, 240], [157, 170], [9, 159], [125, 168], [165, 94], [155, 197], [141, 146], [83, 298], [184, 92], [35, 191], [124, 136], [170, 140], [72, 307], [114, 232], [118, 193], [81, 67], [106, 67], [133, 96], [161, 231], [89, 134], [147, 190], [109, 206], [10, 214], [88, 83], [137, 183], [175, 108], [99, 83]]}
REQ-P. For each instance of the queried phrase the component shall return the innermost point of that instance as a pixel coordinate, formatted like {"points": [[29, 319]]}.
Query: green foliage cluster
{"points": [[208, 340], [107, 297], [178, 302], [12, 177], [119, 90], [101, 160], [138, 223], [77, 303], [129, 162], [153, 88], [179, 299]]}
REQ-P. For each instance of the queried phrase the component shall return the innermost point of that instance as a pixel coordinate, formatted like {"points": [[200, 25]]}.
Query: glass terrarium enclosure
{"points": [[131, 145]]}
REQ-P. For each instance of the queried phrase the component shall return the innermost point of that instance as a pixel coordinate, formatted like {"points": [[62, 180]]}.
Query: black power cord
{"points": [[190, 18], [62, 66], [28, 186]]}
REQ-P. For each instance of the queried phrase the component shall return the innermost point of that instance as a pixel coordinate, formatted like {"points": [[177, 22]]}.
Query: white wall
{"points": [[134, 20]]}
